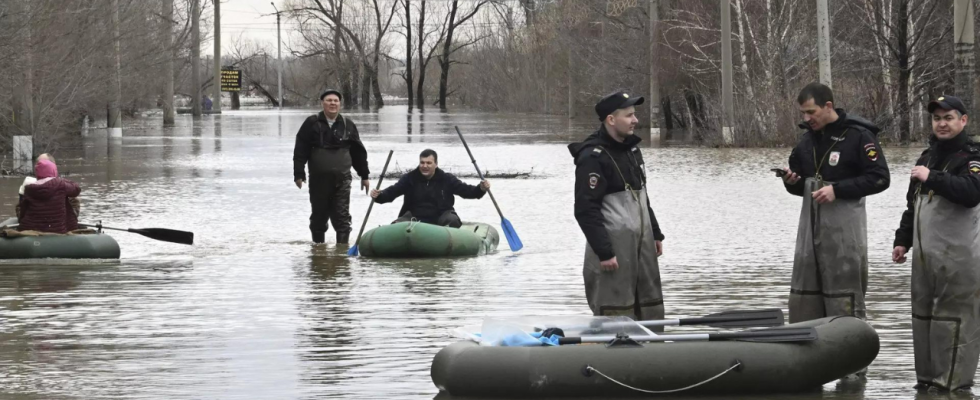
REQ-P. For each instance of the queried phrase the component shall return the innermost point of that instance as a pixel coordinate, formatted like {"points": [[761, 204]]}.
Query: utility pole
{"points": [[279, 46], [823, 42], [727, 90], [655, 137], [963, 43], [166, 30], [114, 122], [216, 104], [196, 58]]}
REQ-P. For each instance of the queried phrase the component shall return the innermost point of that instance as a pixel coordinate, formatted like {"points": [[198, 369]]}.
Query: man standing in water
{"points": [[331, 144], [837, 163], [622, 276], [940, 223]]}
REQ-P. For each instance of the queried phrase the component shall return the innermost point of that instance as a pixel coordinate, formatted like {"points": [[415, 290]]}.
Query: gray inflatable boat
{"points": [[87, 246], [844, 345]]}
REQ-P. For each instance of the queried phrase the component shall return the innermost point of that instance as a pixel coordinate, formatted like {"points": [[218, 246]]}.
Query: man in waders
{"points": [[621, 273], [330, 143], [837, 163], [941, 223]]}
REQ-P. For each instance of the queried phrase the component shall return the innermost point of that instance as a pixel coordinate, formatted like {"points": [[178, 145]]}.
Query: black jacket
{"points": [[596, 176], [954, 174], [316, 132], [860, 168], [427, 199]]}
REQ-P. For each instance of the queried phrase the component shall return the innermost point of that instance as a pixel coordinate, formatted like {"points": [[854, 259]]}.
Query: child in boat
{"points": [[45, 203]]}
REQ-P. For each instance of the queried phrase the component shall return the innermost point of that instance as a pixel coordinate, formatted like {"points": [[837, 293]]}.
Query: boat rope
{"points": [[592, 369], [412, 223]]}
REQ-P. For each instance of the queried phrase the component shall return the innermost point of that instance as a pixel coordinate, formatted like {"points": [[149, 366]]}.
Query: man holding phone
{"points": [[837, 163]]}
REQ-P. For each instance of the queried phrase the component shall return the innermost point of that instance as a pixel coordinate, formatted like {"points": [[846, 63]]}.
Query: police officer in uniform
{"points": [[941, 224], [837, 163], [622, 276], [330, 143]]}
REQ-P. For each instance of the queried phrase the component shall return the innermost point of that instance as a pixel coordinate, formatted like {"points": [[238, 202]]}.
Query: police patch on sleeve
{"points": [[871, 151], [974, 167], [593, 180]]}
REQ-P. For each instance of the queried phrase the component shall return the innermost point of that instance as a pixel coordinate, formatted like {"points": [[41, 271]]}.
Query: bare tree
{"points": [[455, 20]]}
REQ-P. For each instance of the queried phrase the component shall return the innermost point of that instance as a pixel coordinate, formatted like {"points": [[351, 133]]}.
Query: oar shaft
{"points": [[370, 206], [764, 335], [100, 226], [478, 172], [662, 322], [719, 319], [682, 337]]}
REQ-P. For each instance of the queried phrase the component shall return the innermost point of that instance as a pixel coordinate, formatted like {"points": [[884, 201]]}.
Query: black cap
{"points": [[947, 103], [331, 91], [615, 101]]}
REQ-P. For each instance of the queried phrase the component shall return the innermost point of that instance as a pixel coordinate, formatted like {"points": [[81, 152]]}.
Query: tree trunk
{"points": [[409, 79], [420, 93], [376, 87], [365, 87], [444, 59], [166, 31]]}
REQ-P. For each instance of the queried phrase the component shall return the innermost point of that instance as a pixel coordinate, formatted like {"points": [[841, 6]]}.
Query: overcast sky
{"points": [[250, 19], [255, 20]]}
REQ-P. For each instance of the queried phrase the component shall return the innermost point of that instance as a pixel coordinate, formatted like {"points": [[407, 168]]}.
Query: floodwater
{"points": [[253, 311]]}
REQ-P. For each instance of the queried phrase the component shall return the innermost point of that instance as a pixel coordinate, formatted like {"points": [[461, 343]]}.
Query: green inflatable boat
{"points": [[421, 240], [83, 246], [842, 346]]}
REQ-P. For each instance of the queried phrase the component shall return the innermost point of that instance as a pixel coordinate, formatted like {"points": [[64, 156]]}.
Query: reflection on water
{"points": [[254, 311]]}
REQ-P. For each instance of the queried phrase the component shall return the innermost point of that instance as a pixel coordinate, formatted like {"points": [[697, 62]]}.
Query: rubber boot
{"points": [[343, 237], [318, 237]]}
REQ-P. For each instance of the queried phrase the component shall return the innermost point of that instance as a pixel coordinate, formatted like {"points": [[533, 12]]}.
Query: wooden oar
{"points": [[353, 251]]}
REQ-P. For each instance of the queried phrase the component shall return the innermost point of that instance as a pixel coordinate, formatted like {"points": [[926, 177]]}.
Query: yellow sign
{"points": [[231, 80]]}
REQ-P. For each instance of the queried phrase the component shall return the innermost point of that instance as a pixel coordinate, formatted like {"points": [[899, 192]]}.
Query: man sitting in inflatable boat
{"points": [[429, 193], [48, 203]]}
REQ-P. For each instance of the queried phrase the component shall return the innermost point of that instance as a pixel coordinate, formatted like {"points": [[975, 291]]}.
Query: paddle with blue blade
{"points": [[353, 251], [512, 239]]}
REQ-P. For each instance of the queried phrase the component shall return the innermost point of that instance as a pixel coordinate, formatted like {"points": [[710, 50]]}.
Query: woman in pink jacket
{"points": [[43, 206]]}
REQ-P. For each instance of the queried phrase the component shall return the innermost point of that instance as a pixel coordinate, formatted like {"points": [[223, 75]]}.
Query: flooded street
{"points": [[253, 311]]}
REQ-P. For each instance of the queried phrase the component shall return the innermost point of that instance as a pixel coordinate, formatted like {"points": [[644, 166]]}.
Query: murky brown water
{"points": [[252, 311]]}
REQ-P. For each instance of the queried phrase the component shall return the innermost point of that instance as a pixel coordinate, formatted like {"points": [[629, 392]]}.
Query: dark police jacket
{"points": [[847, 153], [329, 149], [954, 173], [596, 176], [428, 198]]}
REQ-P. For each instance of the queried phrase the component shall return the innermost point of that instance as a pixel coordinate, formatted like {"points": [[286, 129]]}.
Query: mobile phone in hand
{"points": [[779, 172]]}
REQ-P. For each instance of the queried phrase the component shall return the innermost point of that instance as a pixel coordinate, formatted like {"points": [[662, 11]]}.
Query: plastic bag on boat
{"points": [[528, 331]]}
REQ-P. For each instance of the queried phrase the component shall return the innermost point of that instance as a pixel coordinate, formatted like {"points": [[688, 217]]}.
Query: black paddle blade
{"points": [[166, 235], [740, 319], [769, 335]]}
